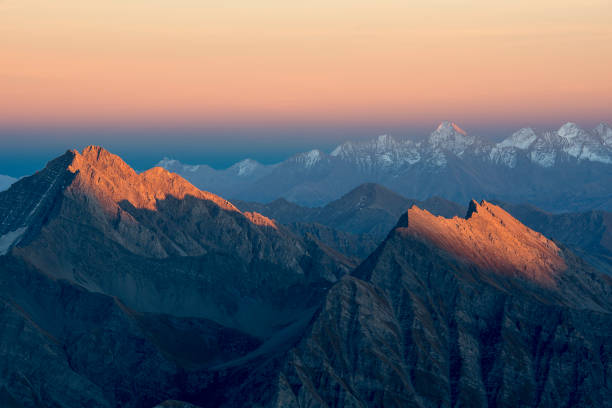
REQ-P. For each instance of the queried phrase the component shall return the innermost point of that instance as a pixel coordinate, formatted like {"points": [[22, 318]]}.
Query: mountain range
{"points": [[362, 218], [353, 224], [564, 170], [121, 289]]}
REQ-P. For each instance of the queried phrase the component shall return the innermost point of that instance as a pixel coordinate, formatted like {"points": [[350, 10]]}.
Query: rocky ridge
{"points": [[424, 325]]}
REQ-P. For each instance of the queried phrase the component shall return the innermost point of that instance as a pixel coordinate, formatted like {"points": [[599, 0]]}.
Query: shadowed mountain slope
{"points": [[367, 209]]}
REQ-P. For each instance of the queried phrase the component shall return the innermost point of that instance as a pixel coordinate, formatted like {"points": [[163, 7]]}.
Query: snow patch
{"points": [[605, 134], [176, 166], [6, 181], [336, 152], [569, 131], [521, 139], [246, 167], [8, 240], [309, 159]]}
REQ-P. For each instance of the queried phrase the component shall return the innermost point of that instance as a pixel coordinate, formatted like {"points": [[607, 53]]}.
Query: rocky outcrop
{"points": [[429, 322]]}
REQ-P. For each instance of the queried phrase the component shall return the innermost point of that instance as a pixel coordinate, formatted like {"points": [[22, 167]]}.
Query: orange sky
{"points": [[175, 61]]}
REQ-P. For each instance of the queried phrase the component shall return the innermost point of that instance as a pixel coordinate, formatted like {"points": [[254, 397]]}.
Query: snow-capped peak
{"points": [[310, 158], [176, 166], [447, 126], [605, 133], [338, 150], [168, 162], [520, 139], [570, 131], [449, 136], [384, 140], [245, 167]]}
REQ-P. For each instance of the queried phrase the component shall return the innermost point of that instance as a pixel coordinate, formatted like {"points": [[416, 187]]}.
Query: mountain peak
{"points": [[521, 139], [310, 158], [489, 238], [605, 133], [569, 130], [370, 195], [447, 126], [245, 167], [449, 136], [100, 158], [106, 176]]}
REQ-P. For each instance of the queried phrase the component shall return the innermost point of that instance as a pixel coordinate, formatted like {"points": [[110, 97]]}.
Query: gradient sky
{"points": [[193, 78]]}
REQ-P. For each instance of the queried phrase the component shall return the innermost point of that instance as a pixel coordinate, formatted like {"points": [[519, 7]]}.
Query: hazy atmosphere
{"points": [[283, 77]]}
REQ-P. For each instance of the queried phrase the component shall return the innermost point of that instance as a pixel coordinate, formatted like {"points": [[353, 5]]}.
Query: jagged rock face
{"points": [[160, 244], [423, 325], [489, 238]]}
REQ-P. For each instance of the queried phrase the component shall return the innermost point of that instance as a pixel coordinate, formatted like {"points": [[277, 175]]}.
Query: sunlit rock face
{"points": [[446, 312], [489, 238], [588, 234]]}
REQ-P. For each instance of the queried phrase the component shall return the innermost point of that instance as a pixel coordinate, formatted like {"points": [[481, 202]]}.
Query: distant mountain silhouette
{"points": [[569, 169], [367, 209]]}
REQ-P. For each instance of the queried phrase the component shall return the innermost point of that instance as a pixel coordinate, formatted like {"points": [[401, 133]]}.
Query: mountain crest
{"points": [[447, 126], [309, 159], [569, 130], [106, 176], [489, 238], [104, 183]]}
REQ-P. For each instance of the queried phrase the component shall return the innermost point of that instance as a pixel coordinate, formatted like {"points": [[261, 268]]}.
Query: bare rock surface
{"points": [[426, 322]]}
